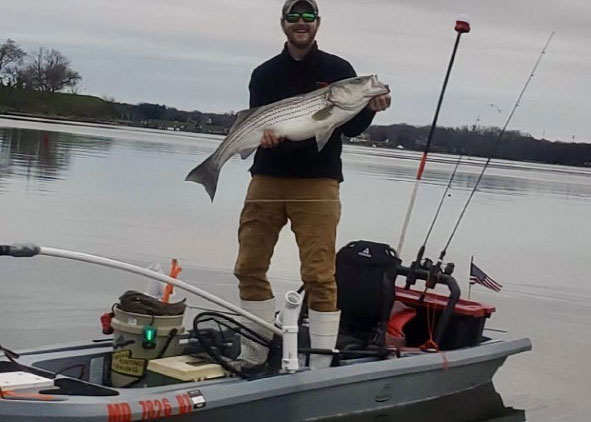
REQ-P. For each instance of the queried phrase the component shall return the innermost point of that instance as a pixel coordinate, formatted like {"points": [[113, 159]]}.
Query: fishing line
{"points": [[291, 200], [202, 308], [495, 146], [453, 174]]}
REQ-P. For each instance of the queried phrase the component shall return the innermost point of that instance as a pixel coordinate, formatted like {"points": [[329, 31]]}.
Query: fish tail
{"points": [[207, 174]]}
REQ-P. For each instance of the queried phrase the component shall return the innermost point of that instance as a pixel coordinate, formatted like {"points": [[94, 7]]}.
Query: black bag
{"points": [[140, 303], [365, 274]]}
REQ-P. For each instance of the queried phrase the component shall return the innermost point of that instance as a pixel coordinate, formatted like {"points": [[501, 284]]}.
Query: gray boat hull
{"points": [[304, 396]]}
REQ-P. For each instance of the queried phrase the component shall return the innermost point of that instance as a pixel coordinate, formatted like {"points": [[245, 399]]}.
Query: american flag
{"points": [[477, 276]]}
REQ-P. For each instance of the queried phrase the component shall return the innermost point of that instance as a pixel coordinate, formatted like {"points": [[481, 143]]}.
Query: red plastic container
{"points": [[465, 325]]}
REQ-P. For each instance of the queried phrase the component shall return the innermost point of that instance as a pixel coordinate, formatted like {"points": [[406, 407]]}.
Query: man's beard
{"points": [[301, 40]]}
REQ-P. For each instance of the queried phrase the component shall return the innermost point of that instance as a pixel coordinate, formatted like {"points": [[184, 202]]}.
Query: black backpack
{"points": [[365, 274]]}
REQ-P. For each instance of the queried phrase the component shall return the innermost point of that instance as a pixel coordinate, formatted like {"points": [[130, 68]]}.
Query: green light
{"points": [[149, 334]]}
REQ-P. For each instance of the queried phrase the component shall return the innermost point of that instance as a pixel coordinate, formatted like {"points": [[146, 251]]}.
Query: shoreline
{"points": [[74, 121], [364, 148]]}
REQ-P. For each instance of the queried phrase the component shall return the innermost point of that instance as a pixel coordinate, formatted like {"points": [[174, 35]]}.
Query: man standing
{"points": [[294, 181]]}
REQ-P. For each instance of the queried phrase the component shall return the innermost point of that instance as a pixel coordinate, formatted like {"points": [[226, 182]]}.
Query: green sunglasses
{"points": [[306, 16]]}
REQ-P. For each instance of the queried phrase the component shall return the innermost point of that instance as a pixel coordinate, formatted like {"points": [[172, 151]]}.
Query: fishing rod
{"points": [[462, 27], [452, 177], [497, 143]]}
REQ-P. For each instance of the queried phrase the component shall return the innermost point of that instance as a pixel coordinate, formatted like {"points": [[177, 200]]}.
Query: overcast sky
{"points": [[198, 54]]}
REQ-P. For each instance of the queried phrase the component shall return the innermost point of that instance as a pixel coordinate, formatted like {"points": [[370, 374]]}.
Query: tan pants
{"points": [[313, 207]]}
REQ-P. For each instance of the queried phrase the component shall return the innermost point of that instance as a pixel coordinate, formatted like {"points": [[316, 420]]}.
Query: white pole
{"points": [[105, 262], [411, 205]]}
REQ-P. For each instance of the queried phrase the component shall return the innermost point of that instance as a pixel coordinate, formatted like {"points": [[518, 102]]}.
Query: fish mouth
{"points": [[379, 87], [384, 89]]}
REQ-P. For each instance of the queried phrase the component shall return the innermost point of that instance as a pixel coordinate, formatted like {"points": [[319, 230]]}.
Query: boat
{"points": [[72, 382]]}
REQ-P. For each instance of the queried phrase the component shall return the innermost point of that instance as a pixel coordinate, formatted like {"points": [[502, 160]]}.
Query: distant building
{"points": [[361, 139]]}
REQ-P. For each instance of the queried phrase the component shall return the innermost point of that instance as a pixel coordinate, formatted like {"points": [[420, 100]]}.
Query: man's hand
{"points": [[380, 102], [270, 140]]}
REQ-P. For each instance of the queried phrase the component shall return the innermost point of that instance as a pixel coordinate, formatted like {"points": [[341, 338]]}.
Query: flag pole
{"points": [[470, 281]]}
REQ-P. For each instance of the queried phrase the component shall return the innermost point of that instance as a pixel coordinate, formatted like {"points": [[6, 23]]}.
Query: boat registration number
{"points": [[150, 409]]}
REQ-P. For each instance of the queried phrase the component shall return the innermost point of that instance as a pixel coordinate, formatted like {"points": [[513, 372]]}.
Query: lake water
{"points": [[119, 193]]}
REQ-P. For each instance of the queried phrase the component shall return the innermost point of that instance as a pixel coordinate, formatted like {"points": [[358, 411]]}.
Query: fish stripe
{"points": [[297, 108]]}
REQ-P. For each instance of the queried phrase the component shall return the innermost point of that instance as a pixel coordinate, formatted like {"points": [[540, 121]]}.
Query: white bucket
{"points": [[131, 352]]}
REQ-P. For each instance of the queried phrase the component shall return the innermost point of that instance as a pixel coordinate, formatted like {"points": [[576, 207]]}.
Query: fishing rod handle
{"points": [[20, 250]]}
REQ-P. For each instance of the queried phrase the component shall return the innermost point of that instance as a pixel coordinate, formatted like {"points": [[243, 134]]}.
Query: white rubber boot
{"points": [[324, 330], [251, 352]]}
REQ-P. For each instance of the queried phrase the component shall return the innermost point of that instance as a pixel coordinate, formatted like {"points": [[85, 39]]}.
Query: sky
{"points": [[199, 54]]}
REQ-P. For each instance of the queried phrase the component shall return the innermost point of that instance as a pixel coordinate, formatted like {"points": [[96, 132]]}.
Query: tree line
{"points": [[40, 70], [483, 142]]}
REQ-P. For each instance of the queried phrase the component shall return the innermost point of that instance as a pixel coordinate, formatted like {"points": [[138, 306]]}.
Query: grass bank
{"points": [[56, 104]]}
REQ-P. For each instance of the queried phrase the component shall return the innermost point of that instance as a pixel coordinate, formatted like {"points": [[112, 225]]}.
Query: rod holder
{"points": [[288, 319]]}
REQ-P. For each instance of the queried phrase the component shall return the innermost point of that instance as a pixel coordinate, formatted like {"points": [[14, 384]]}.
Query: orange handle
{"points": [[175, 269]]}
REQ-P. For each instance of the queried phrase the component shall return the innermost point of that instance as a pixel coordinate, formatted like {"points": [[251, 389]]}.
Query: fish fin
{"points": [[244, 154], [323, 137], [206, 173], [323, 114], [241, 117]]}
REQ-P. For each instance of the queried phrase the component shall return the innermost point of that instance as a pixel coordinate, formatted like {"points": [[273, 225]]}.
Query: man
{"points": [[293, 181]]}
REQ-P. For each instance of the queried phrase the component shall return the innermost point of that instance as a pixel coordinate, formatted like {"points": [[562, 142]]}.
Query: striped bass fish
{"points": [[313, 115]]}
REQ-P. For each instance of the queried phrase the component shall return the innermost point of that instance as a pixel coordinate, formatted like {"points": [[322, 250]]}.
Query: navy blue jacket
{"points": [[282, 77]]}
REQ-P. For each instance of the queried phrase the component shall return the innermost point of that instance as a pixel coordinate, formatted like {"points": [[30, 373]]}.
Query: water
{"points": [[120, 193]]}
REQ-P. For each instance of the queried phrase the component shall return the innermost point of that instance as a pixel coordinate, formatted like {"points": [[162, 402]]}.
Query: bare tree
{"points": [[16, 77], [50, 71], [11, 58]]}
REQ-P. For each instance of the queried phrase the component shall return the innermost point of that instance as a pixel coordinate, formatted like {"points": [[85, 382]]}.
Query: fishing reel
{"points": [[425, 269]]}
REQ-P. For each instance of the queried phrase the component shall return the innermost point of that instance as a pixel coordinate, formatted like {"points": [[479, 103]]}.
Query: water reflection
{"points": [[42, 155], [31, 154], [47, 155], [477, 405], [501, 178]]}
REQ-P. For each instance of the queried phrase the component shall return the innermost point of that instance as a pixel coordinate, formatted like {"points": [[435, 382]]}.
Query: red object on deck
{"points": [[397, 321], [106, 322], [439, 302]]}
